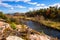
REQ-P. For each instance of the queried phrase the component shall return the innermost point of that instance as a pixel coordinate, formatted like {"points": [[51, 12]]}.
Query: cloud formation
{"points": [[26, 1], [11, 6], [42, 6], [56, 4], [35, 5], [17, 0], [32, 3], [19, 6]]}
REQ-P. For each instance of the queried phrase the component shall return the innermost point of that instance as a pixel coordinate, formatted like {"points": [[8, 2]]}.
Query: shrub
{"points": [[13, 25]]}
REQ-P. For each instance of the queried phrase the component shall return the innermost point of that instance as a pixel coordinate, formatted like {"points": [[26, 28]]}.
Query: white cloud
{"points": [[38, 7], [19, 6], [33, 3], [17, 0], [5, 5], [26, 1], [30, 9], [40, 4], [11, 6], [35, 8], [56, 4]]}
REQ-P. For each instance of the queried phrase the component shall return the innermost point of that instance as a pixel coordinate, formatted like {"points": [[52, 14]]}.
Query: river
{"points": [[38, 27]]}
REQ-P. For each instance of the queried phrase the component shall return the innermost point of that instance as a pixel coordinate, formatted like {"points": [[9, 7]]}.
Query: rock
{"points": [[40, 37], [44, 38], [13, 38]]}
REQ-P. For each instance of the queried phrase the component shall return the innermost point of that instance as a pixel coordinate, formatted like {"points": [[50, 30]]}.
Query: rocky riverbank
{"points": [[22, 32]]}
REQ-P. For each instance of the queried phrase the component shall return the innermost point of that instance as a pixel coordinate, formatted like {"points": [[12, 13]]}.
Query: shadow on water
{"points": [[39, 27]]}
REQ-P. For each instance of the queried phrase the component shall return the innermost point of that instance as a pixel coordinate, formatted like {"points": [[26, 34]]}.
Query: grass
{"points": [[51, 23]]}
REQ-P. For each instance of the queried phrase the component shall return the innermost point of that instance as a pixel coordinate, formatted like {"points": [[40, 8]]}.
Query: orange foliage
{"points": [[48, 11]]}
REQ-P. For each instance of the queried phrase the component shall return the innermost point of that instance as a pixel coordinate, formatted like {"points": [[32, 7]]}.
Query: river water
{"points": [[41, 28]]}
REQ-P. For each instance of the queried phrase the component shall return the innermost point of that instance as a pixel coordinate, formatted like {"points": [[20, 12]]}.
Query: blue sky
{"points": [[12, 6]]}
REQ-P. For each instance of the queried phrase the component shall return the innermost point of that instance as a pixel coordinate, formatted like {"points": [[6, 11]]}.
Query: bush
{"points": [[13, 25]]}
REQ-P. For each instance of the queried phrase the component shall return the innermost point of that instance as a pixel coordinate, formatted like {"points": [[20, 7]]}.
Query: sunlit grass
{"points": [[51, 23]]}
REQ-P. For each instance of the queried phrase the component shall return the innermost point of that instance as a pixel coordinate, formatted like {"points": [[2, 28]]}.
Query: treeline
{"points": [[9, 18], [49, 13]]}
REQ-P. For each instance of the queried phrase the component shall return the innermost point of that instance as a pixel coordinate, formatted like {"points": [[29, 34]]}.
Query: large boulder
{"points": [[13, 38]]}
